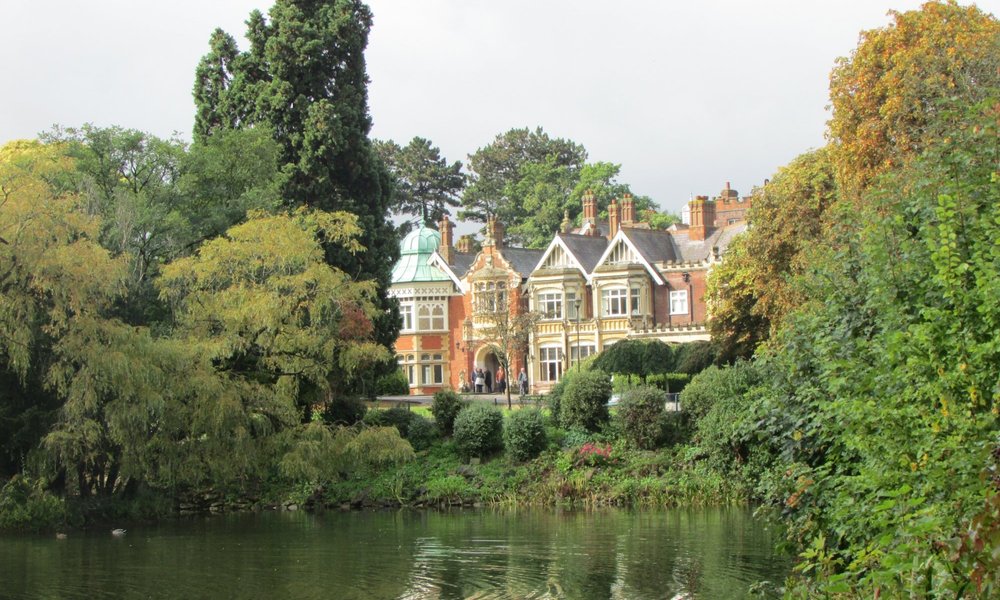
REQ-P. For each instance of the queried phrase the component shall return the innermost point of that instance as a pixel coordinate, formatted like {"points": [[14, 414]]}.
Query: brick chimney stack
{"points": [[612, 218], [702, 218], [628, 210], [464, 244], [445, 249]]}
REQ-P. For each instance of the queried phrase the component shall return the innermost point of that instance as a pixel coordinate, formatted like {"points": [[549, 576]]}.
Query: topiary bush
{"points": [[445, 407], [422, 433], [639, 416], [479, 430], [584, 400], [524, 434]]}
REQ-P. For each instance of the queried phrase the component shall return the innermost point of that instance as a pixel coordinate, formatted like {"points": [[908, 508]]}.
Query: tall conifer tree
{"points": [[304, 76]]}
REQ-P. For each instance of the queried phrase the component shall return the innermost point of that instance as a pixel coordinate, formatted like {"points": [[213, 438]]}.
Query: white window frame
{"points": [[406, 316], [570, 302], [431, 316], [617, 298], [635, 301], [550, 363], [550, 305], [678, 302]]}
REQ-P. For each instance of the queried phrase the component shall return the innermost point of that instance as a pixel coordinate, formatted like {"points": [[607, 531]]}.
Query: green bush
{"points": [[344, 411], [397, 417], [639, 415], [524, 434], [422, 433], [25, 504], [393, 384], [584, 400], [445, 407], [479, 430]]}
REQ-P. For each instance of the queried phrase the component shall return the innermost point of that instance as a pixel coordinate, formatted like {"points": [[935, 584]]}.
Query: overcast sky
{"points": [[684, 95]]}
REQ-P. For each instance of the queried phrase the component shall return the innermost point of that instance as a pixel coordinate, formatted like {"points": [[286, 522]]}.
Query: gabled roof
{"points": [[583, 251], [653, 245], [622, 237]]}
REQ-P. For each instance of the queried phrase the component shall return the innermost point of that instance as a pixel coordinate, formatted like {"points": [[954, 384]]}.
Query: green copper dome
{"points": [[415, 251]]}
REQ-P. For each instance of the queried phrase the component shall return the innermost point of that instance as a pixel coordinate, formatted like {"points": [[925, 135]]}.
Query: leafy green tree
{"points": [[479, 430], [496, 169], [750, 291], [426, 184], [304, 78], [639, 414], [524, 434]]}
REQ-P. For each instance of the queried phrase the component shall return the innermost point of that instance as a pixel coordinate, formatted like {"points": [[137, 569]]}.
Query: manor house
{"points": [[591, 287]]}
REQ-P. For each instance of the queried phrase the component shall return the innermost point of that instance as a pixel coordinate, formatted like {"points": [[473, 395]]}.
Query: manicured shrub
{"points": [[479, 430], [345, 410], [445, 407], [397, 417], [524, 434], [422, 432], [584, 401], [639, 413], [393, 384]]}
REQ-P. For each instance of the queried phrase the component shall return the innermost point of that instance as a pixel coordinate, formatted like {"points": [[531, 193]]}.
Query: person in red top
{"points": [[501, 380]]}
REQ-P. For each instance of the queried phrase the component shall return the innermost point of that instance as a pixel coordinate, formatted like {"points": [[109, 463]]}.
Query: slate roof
{"points": [[694, 251], [587, 249], [523, 260], [460, 262], [654, 245]]}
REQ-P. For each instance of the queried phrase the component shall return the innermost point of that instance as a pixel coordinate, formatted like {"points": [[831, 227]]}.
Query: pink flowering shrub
{"points": [[594, 455]]}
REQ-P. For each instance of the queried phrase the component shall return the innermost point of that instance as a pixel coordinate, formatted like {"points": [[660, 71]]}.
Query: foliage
{"points": [[887, 96], [445, 407], [393, 383], [421, 432], [719, 403], [344, 410], [397, 417], [584, 400], [882, 400], [425, 183], [26, 504], [379, 447], [530, 181], [639, 413], [694, 357], [524, 434], [304, 78], [317, 453], [479, 430], [636, 357], [750, 292]]}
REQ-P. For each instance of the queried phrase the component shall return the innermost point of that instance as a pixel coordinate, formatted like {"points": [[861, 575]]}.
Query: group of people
{"points": [[484, 381]]}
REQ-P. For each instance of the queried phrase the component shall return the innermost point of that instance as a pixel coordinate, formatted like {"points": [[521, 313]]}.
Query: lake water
{"points": [[405, 554]]}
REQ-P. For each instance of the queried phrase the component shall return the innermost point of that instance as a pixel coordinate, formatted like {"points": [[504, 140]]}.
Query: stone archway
{"points": [[487, 360]]}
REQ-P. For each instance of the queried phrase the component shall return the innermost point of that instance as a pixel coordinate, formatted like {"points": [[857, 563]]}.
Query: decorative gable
{"points": [[621, 254], [558, 258]]}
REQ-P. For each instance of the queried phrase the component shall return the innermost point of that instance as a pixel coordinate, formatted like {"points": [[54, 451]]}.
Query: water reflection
{"points": [[405, 554]]}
